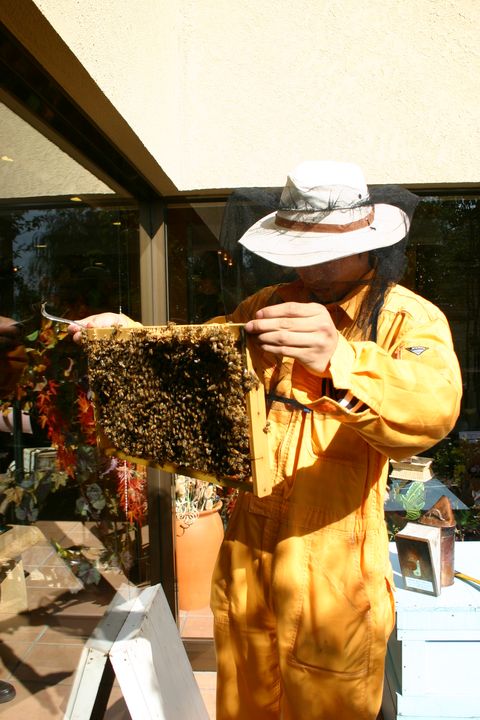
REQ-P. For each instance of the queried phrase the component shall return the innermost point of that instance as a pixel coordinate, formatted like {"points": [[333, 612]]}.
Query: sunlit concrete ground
{"points": [[40, 647]]}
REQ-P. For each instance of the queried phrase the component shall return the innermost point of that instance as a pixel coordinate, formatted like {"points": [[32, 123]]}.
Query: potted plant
{"points": [[198, 536]]}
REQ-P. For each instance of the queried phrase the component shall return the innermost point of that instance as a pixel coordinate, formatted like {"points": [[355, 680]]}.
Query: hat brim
{"points": [[294, 248]]}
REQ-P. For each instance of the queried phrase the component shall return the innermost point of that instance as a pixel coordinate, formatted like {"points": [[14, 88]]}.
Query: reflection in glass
{"points": [[444, 267], [210, 273], [80, 260]]}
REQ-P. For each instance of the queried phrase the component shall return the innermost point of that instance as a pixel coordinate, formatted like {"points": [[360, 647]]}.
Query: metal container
{"points": [[441, 515], [447, 555]]}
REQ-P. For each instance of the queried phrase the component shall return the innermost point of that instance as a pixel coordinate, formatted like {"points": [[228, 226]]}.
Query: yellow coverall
{"points": [[302, 591]]}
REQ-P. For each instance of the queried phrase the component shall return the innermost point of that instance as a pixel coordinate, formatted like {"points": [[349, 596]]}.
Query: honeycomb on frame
{"points": [[184, 398]]}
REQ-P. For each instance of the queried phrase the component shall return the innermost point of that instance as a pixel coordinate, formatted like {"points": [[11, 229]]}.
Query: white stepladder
{"points": [[137, 641]]}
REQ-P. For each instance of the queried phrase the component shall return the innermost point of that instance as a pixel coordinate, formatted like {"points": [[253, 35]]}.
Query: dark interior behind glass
{"points": [[209, 273]]}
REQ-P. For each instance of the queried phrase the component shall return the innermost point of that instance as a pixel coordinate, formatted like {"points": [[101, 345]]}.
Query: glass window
{"points": [[444, 268], [78, 259], [209, 272], [67, 240]]}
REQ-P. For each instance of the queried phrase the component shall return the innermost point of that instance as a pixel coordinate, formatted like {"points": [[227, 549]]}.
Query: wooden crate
{"points": [[161, 362], [414, 468]]}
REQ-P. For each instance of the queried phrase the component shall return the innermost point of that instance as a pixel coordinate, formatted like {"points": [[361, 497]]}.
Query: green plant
{"points": [[193, 496], [457, 463], [109, 491], [468, 524], [81, 566], [28, 494], [412, 502], [394, 523], [447, 461]]}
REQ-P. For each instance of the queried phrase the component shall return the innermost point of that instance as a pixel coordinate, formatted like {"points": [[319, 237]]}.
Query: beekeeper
{"points": [[357, 370]]}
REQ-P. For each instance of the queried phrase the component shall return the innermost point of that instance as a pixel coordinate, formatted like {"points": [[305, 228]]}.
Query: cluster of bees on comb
{"points": [[174, 395]]}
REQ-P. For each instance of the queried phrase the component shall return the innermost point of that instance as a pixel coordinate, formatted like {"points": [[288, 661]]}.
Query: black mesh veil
{"points": [[243, 208], [247, 205], [390, 262]]}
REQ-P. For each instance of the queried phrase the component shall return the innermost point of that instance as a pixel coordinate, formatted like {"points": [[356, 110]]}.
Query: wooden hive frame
{"points": [[258, 480]]}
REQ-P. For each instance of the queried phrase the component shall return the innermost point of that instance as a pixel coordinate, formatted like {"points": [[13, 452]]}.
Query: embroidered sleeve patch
{"points": [[416, 349]]}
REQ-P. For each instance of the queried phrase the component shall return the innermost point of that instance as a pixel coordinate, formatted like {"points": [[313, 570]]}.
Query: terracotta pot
{"points": [[196, 549]]}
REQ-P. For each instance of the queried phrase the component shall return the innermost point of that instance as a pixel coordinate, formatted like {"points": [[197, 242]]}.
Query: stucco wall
{"points": [[227, 94]]}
